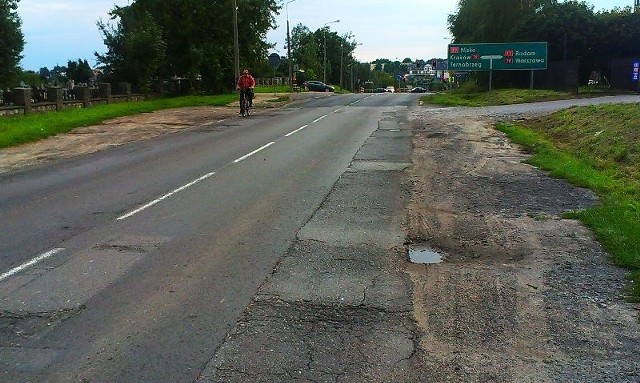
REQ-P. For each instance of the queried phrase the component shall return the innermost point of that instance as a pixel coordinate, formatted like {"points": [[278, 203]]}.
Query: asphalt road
{"points": [[133, 264]]}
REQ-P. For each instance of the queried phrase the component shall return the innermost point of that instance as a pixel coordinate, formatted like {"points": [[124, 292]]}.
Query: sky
{"points": [[57, 31]]}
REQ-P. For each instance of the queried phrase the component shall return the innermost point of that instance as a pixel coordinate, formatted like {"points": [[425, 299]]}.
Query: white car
{"points": [[390, 89]]}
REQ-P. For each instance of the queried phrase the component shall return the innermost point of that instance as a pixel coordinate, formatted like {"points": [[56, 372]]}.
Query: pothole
{"points": [[424, 254]]}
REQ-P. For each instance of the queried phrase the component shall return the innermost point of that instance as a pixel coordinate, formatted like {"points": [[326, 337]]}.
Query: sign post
{"points": [[491, 58]]}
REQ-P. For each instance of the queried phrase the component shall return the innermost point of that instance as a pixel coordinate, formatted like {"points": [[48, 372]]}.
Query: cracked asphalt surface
{"points": [[523, 295]]}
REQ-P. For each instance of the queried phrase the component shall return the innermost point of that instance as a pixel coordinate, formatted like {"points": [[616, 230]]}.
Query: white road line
{"points": [[254, 152], [318, 119], [178, 190], [32, 262], [295, 131]]}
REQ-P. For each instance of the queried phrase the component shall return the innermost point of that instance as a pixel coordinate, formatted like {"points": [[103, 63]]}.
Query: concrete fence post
{"points": [[22, 97], [125, 88], [105, 91], [54, 94], [83, 93]]}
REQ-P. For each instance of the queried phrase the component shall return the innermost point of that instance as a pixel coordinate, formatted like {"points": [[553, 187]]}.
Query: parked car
{"points": [[379, 90], [418, 89], [318, 86], [390, 89]]}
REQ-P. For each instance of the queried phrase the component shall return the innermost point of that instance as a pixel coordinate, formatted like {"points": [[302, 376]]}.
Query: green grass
{"points": [[271, 89], [596, 147], [475, 98], [16, 130]]}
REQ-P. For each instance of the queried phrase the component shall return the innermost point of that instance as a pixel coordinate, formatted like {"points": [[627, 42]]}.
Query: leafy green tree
{"points": [[31, 78], [79, 71], [490, 21], [618, 34], [305, 52], [570, 28], [11, 43], [135, 46], [197, 36]]}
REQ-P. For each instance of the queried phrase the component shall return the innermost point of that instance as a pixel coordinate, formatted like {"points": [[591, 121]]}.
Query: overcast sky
{"points": [[57, 31]]}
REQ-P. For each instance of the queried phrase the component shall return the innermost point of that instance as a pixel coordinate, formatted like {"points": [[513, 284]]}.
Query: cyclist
{"points": [[245, 84]]}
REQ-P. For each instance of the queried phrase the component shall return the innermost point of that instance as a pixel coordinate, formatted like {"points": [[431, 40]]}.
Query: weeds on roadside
{"points": [[597, 148]]}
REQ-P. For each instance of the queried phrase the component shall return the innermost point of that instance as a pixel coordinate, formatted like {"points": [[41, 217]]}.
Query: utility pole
{"points": [[236, 47], [289, 48]]}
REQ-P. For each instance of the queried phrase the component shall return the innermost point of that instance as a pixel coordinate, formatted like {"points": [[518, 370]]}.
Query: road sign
{"points": [[636, 69], [498, 56]]}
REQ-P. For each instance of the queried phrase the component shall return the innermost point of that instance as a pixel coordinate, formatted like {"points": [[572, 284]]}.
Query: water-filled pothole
{"points": [[423, 254]]}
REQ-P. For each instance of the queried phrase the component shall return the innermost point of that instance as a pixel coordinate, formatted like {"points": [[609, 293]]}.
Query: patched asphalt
{"points": [[337, 307]]}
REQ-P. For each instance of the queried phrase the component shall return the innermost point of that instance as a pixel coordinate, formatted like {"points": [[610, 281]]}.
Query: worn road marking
{"points": [[254, 152], [32, 262], [178, 190], [318, 119], [296, 131]]}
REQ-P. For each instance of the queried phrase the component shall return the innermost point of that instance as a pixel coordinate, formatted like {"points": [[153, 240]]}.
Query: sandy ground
{"points": [[523, 295]]}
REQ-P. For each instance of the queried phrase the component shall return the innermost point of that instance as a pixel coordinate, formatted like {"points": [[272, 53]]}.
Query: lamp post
{"points": [[346, 38], [289, 47], [341, 54], [324, 61]]}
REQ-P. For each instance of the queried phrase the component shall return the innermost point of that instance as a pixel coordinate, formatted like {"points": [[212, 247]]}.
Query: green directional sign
{"points": [[497, 56]]}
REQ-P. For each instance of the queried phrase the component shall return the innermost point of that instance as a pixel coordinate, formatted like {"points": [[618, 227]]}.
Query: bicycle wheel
{"points": [[243, 106]]}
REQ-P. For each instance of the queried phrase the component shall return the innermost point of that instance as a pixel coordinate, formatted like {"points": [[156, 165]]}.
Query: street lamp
{"points": [[347, 38], [286, 5], [324, 61]]}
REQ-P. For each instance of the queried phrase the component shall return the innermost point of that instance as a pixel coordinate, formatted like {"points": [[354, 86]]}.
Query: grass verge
{"points": [[16, 130], [596, 147], [473, 97]]}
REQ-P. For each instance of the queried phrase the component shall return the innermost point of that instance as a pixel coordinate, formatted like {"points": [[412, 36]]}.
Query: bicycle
{"points": [[245, 103]]}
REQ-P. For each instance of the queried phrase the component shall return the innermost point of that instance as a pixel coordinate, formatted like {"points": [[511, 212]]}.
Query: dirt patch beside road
{"points": [[523, 295], [119, 131]]}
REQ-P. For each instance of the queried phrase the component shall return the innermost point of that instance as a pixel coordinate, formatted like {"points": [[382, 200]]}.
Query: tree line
{"points": [[193, 40], [572, 29]]}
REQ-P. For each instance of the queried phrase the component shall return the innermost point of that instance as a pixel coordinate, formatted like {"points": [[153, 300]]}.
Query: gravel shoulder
{"points": [[523, 295]]}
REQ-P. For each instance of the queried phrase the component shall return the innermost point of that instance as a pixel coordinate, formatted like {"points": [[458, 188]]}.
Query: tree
{"points": [[570, 28], [79, 71], [11, 43], [191, 39], [490, 21], [305, 52], [135, 46]]}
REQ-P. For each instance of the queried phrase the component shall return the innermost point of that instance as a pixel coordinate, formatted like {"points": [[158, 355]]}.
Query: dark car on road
{"points": [[418, 89], [318, 86]]}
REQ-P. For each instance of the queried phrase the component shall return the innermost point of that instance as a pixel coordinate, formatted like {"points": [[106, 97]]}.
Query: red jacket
{"points": [[246, 81]]}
